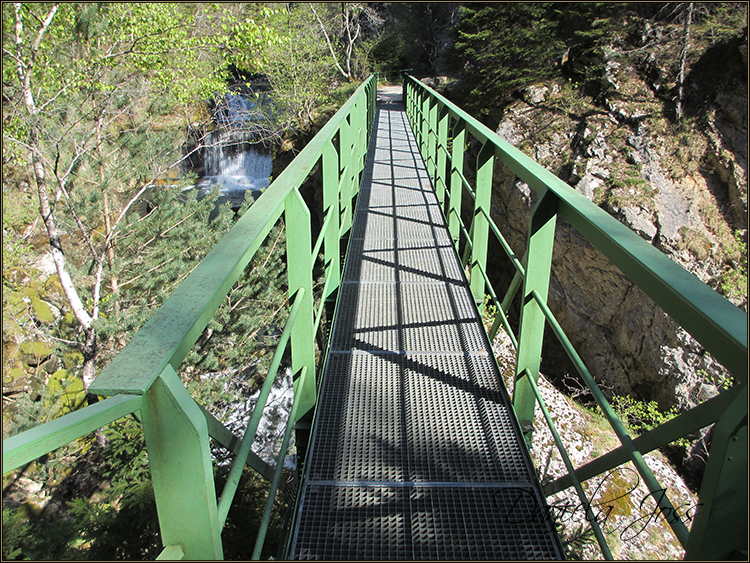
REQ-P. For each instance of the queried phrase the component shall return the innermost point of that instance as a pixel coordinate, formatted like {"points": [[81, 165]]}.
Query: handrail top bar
{"points": [[719, 325], [173, 329], [40, 440]]}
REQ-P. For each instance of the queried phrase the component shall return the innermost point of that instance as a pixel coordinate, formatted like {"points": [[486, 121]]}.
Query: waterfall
{"points": [[233, 159], [236, 110]]}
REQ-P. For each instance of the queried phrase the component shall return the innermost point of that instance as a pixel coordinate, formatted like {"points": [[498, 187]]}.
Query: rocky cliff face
{"points": [[680, 186]]}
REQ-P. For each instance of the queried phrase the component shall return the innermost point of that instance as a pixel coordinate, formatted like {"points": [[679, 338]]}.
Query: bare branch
{"points": [[140, 192], [45, 26], [328, 41], [79, 223], [683, 59]]}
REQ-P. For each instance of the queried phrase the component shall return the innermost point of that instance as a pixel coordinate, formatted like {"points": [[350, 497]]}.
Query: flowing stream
{"points": [[236, 163]]}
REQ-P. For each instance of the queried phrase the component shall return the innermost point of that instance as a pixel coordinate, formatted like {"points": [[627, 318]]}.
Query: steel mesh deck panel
{"points": [[414, 417], [415, 453], [380, 522], [419, 317], [403, 222], [410, 261]]}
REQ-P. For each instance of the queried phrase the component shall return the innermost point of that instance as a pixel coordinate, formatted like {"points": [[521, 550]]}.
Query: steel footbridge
{"points": [[410, 446]]}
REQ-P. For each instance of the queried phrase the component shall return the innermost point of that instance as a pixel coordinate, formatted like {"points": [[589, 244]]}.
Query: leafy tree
{"points": [[419, 32], [99, 95], [506, 46], [98, 503], [298, 65]]}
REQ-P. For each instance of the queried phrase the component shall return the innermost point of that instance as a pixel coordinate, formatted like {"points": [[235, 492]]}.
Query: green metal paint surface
{"points": [[179, 457]]}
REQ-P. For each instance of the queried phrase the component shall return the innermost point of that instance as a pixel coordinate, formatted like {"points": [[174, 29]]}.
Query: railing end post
{"points": [[181, 468]]}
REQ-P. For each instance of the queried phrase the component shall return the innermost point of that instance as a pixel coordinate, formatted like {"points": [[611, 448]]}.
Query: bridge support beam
{"points": [[531, 331], [719, 530]]}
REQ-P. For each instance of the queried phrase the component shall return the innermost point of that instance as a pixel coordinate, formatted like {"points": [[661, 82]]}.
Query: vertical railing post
{"points": [[416, 125], [332, 241], [424, 129], [480, 236], [356, 124], [372, 100], [541, 241], [719, 529], [415, 103], [440, 182], [405, 97], [181, 468], [361, 117], [299, 272], [347, 173], [408, 93], [432, 134], [457, 184]]}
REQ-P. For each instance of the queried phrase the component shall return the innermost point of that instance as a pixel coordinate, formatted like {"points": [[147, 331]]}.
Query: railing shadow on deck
{"points": [[143, 378], [443, 130]]}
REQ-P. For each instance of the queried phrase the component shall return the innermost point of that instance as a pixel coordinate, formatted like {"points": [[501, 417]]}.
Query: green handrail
{"points": [[143, 376], [719, 528]]}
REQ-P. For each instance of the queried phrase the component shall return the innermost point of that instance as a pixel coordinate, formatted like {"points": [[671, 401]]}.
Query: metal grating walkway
{"points": [[414, 452]]}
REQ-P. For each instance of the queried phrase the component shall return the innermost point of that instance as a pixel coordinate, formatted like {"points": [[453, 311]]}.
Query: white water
{"points": [[272, 425], [237, 110], [233, 161]]}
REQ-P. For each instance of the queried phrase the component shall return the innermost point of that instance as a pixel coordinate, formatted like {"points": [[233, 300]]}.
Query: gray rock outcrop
{"points": [[683, 191]]}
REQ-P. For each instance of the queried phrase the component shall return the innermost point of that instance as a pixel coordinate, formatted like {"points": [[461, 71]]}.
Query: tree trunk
{"points": [[107, 220], [45, 210], [330, 46], [683, 58]]}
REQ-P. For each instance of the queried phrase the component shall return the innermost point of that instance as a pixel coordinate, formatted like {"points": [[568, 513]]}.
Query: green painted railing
{"points": [[443, 130], [143, 376]]}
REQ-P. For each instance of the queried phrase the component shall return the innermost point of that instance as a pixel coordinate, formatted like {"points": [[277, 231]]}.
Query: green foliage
{"points": [[642, 416], [244, 330], [576, 540], [30, 316], [116, 85], [298, 65], [243, 521], [69, 389], [92, 504], [733, 281], [629, 189], [506, 46], [489, 312], [388, 54], [156, 252], [416, 39], [723, 382], [719, 21]]}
